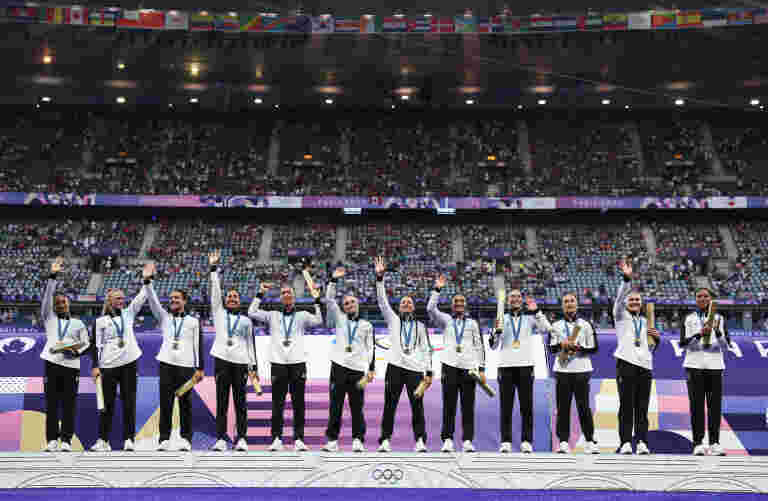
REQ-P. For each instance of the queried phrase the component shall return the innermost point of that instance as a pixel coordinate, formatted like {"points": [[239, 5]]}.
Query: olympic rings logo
{"points": [[385, 474]]}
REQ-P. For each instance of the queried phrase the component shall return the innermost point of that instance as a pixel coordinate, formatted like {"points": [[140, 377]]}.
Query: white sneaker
{"points": [[447, 445], [626, 448], [468, 446], [564, 448], [420, 447], [185, 445], [219, 446], [506, 447], [128, 446], [241, 445], [331, 446], [101, 446], [385, 446], [526, 448], [642, 449], [300, 446], [591, 448], [277, 445], [52, 446], [165, 445], [715, 450], [66, 447], [357, 445], [700, 450]]}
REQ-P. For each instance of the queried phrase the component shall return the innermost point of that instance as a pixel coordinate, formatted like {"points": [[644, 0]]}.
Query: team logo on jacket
{"points": [[16, 345]]}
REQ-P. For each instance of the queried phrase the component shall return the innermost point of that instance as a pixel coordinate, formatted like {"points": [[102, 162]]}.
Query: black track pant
{"points": [[343, 382], [124, 376], [285, 378], [61, 385], [395, 379], [705, 385], [235, 376], [518, 379], [457, 383], [569, 386], [634, 385], [171, 378]]}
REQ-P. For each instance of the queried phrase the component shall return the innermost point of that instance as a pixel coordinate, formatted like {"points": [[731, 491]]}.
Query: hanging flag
{"points": [[145, 19], [227, 22], [689, 19], [662, 20], [347, 25], [78, 15], [760, 16], [714, 17], [739, 16], [443, 25], [56, 15], [107, 17], [370, 24], [420, 24], [26, 13], [565, 23], [394, 25], [176, 20], [323, 24], [542, 23], [591, 22], [639, 21], [517, 24], [615, 21], [465, 24], [201, 21]]}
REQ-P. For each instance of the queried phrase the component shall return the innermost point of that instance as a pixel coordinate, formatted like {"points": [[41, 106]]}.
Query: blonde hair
{"points": [[107, 308]]}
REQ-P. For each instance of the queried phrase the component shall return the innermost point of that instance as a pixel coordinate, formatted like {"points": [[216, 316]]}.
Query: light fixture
{"points": [[626, 106], [277, 106], [45, 99], [393, 106], [194, 69], [170, 105], [194, 100], [519, 106], [329, 101], [257, 100], [470, 101], [606, 101], [120, 100], [542, 101], [47, 59], [754, 102], [679, 102], [405, 97], [120, 66], [427, 15]]}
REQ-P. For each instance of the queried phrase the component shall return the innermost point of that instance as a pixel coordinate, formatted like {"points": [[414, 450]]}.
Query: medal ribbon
{"points": [[230, 329], [287, 329], [120, 329], [63, 333]]}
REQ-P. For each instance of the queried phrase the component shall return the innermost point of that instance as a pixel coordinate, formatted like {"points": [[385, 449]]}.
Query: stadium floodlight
{"points": [[329, 101], [47, 59], [542, 101], [446, 211], [405, 97], [120, 100], [258, 100], [519, 106], [606, 101], [626, 106], [754, 102], [679, 102], [194, 69], [121, 66], [194, 100], [470, 101], [45, 99], [353, 211]]}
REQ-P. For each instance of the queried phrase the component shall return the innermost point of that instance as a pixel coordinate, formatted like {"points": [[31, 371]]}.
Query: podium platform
{"points": [[538, 471]]}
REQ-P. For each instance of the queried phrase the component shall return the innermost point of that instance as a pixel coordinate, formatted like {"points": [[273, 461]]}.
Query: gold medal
{"points": [[458, 348], [516, 345]]}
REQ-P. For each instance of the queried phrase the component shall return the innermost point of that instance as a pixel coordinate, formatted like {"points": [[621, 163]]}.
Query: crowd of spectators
{"points": [[674, 241], [315, 240]]}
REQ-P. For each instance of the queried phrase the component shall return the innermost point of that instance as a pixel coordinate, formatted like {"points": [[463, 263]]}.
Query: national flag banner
{"points": [[78, 15], [394, 25], [592, 22], [689, 19], [466, 24], [420, 24], [443, 25], [347, 25], [176, 20], [484, 25], [228, 22], [639, 21], [541, 23], [370, 24], [739, 16], [664, 19], [565, 23], [246, 22], [714, 17], [615, 21], [26, 13], [201, 21], [106, 17], [760, 16], [517, 24], [56, 15], [290, 24], [145, 19], [323, 24]]}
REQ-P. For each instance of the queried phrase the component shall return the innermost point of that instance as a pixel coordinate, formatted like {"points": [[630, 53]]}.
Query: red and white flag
{"points": [[77, 14]]}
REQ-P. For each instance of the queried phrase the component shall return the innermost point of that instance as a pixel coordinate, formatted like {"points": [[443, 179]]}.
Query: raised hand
{"points": [[531, 303], [57, 264], [148, 271], [314, 292], [626, 268], [380, 265], [654, 333], [214, 257], [339, 272], [264, 287], [440, 282]]}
